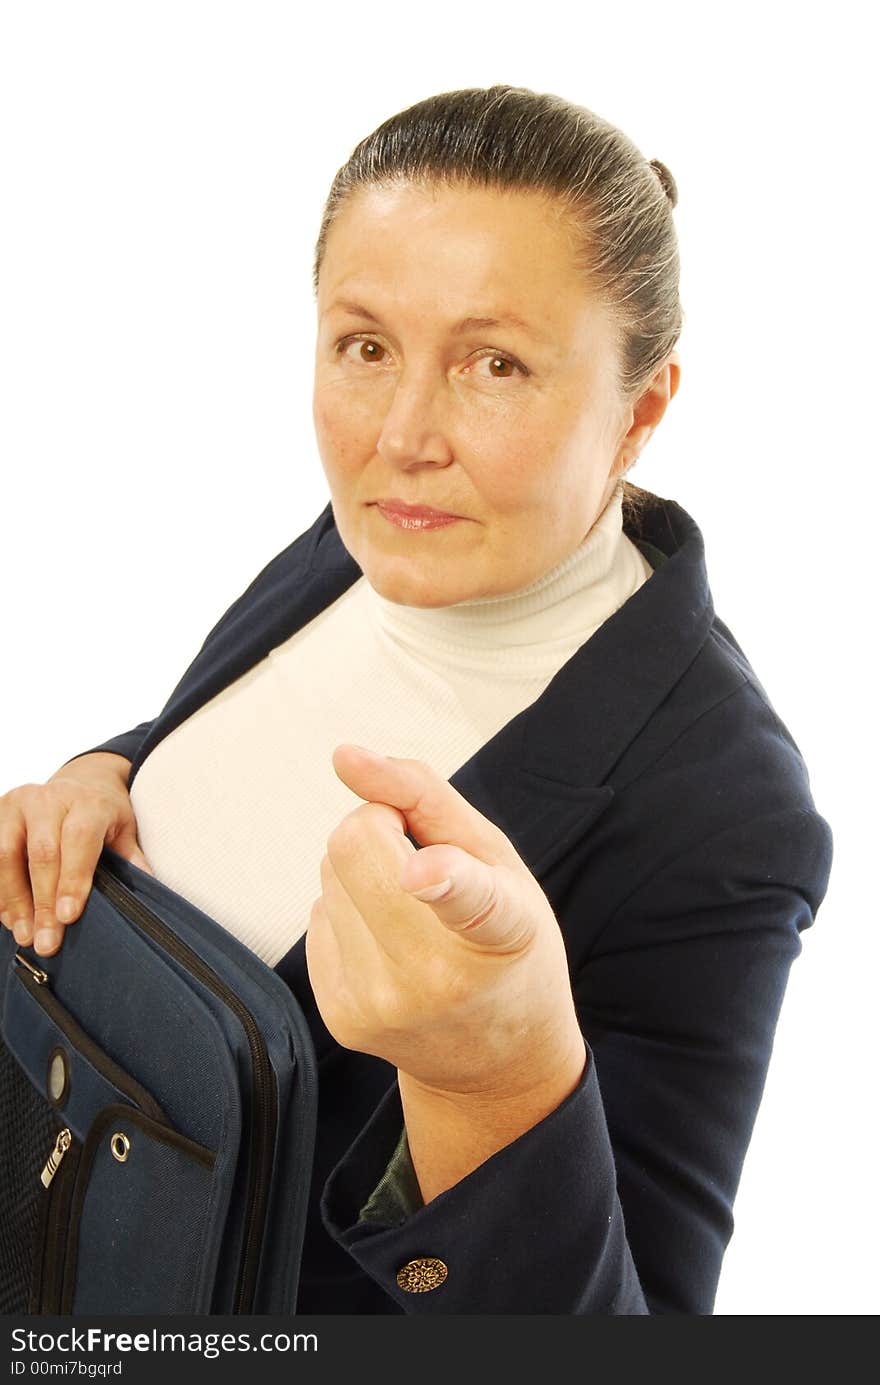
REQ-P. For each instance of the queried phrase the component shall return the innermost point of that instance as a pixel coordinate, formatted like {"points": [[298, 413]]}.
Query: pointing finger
{"points": [[435, 812]]}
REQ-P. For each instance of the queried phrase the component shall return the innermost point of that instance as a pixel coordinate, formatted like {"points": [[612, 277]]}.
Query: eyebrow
{"points": [[465, 324]]}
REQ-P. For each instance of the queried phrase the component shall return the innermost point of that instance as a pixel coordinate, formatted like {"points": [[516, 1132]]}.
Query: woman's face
{"points": [[515, 427]]}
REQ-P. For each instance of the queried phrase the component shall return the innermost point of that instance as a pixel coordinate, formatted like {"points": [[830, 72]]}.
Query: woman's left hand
{"points": [[467, 994]]}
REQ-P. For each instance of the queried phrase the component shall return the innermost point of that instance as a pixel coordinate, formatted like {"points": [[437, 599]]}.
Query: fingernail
{"points": [[432, 892], [45, 939], [373, 754], [21, 931], [65, 909]]}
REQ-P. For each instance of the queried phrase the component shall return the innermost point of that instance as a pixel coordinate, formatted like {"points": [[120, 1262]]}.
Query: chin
{"points": [[406, 592]]}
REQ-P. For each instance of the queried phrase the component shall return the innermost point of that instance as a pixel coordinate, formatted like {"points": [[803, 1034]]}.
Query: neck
{"points": [[534, 624]]}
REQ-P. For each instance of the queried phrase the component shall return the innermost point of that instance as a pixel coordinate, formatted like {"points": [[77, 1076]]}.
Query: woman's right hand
{"points": [[51, 836]]}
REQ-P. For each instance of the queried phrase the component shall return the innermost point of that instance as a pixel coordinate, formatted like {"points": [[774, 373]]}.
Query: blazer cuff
{"points": [[537, 1228], [126, 744]]}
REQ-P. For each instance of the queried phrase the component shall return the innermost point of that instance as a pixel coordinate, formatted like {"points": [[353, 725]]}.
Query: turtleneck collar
{"points": [[541, 621]]}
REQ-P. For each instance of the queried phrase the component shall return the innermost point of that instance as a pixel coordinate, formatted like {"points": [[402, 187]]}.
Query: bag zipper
{"points": [[58, 1174], [265, 1103], [48, 1269], [58, 1177], [36, 981], [60, 1148]]}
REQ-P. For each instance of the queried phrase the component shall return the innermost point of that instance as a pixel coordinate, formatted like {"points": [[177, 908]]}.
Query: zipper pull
{"points": [[40, 976], [62, 1145]]}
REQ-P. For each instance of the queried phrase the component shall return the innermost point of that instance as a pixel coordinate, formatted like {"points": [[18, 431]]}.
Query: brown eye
{"points": [[369, 350], [509, 367], [502, 361]]}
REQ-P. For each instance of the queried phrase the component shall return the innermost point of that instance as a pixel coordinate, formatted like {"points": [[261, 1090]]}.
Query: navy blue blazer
{"points": [[666, 811]]}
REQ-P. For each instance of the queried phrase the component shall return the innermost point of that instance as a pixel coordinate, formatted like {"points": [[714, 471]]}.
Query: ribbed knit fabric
{"points": [[235, 805]]}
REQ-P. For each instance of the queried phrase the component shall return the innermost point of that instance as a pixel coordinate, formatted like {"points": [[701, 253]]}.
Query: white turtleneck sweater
{"points": [[235, 805]]}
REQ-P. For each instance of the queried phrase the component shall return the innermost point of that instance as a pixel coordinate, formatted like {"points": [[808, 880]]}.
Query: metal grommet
{"points": [[119, 1146], [58, 1076]]}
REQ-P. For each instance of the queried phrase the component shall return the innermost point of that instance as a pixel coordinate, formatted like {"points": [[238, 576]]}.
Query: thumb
{"points": [[126, 846], [138, 858], [482, 902]]}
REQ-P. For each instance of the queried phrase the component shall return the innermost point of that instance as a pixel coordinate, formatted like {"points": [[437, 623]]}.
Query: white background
{"points": [[163, 171]]}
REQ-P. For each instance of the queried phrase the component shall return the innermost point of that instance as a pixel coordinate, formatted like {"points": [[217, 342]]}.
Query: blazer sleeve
{"points": [[126, 743], [620, 1200]]}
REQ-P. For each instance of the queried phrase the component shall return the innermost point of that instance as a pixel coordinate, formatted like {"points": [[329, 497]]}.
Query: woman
{"points": [[543, 1035]]}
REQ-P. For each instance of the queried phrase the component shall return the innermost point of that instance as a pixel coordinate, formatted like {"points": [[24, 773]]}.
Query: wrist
{"points": [[451, 1133], [552, 1072], [94, 766]]}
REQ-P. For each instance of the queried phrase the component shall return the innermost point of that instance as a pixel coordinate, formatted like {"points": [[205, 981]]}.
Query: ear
{"points": [[648, 410], [674, 364]]}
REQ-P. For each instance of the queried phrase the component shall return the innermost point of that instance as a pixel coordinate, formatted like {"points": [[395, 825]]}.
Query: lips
{"points": [[399, 507]]}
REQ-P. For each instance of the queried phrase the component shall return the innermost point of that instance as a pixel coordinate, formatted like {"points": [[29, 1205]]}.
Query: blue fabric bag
{"points": [[159, 1104]]}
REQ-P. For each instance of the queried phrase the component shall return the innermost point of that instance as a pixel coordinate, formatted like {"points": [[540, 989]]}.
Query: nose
{"points": [[415, 427]]}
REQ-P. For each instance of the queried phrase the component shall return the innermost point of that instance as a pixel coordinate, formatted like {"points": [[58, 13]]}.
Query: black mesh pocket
{"points": [[28, 1127]]}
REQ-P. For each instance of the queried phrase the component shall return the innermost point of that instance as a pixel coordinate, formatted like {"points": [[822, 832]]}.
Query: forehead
{"points": [[486, 244]]}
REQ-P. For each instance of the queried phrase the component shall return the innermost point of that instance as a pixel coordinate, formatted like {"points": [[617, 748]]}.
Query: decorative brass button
{"points": [[418, 1276]]}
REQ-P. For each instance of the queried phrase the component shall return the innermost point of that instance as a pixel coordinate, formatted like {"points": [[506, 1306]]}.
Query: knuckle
{"points": [[77, 830], [364, 821], [10, 858], [460, 990], [447, 987], [43, 850], [17, 903], [11, 840], [390, 1010], [343, 836], [100, 800], [20, 791], [488, 908]]}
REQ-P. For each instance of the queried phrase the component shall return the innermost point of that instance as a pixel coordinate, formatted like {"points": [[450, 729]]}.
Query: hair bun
{"points": [[666, 179]]}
